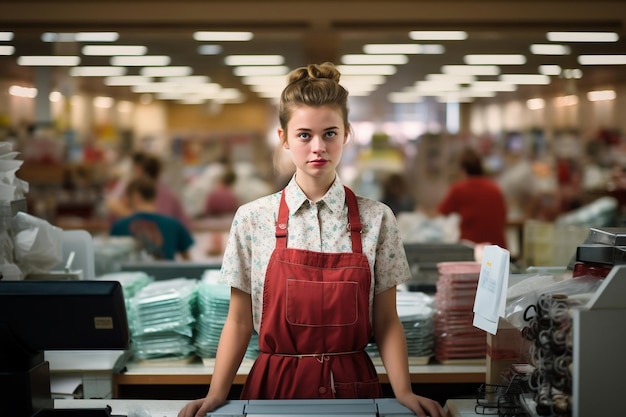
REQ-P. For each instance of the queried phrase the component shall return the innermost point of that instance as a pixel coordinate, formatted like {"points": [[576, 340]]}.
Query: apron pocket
{"points": [[312, 303], [368, 389]]}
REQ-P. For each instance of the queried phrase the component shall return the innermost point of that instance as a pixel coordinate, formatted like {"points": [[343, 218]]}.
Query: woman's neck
{"points": [[314, 188]]}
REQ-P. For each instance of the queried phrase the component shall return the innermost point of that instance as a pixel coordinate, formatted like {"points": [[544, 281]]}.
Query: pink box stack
{"points": [[456, 338]]}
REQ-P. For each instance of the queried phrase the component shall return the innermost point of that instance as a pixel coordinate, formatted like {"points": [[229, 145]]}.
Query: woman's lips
{"points": [[318, 162]]}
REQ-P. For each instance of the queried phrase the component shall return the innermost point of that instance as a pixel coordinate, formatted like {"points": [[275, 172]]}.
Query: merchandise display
{"points": [[162, 318], [456, 337]]}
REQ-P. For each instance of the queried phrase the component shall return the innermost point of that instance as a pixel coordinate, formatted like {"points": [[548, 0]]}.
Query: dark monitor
{"points": [[52, 315]]}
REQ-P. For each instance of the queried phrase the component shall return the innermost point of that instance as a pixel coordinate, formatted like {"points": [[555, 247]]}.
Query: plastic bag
{"points": [[38, 244], [520, 307]]}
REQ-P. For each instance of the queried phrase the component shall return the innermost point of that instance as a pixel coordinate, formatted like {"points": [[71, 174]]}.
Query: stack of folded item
{"points": [[416, 313], [213, 303], [162, 318], [456, 337], [132, 283]]}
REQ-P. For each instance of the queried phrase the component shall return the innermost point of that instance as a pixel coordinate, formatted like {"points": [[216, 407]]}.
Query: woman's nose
{"points": [[317, 144]]}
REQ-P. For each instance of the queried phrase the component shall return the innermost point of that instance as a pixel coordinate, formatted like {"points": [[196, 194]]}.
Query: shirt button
{"points": [[322, 390]]}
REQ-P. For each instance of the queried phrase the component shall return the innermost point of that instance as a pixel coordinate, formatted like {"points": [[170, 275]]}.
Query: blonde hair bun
{"points": [[315, 71]]}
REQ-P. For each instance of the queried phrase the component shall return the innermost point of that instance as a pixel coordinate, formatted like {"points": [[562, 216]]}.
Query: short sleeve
{"points": [[236, 262], [391, 267]]}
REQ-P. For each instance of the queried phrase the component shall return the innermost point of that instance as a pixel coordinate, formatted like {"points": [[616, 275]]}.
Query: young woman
{"points": [[314, 270]]}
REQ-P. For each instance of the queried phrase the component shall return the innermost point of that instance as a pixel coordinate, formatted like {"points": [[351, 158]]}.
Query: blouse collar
{"points": [[334, 198]]}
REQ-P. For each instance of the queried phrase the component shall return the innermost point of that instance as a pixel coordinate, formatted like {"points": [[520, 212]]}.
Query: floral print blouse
{"points": [[316, 226]]}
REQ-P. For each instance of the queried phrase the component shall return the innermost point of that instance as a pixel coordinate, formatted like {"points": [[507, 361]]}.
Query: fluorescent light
{"points": [[433, 49], [494, 59], [452, 78], [168, 87], [250, 71], [6, 36], [126, 80], [363, 79], [550, 69], [7, 50], [602, 59], [582, 36], [265, 80], [568, 100], [247, 60], [19, 91], [209, 49], [436, 86], [48, 61], [526, 79], [392, 48], [381, 59], [173, 71], [471, 69], [492, 86], [601, 95], [468, 92], [535, 103], [549, 49], [55, 96], [438, 35], [113, 50], [211, 36], [103, 102], [58, 37], [141, 61], [575, 73], [97, 71], [367, 69], [96, 36]]}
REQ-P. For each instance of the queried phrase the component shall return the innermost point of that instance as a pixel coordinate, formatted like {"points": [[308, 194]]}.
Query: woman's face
{"points": [[315, 137]]}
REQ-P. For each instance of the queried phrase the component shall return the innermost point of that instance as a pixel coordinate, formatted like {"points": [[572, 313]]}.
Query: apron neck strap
{"points": [[354, 222]]}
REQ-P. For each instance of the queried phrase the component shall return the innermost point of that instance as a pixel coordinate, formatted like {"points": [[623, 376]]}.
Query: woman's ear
{"points": [[282, 138]]}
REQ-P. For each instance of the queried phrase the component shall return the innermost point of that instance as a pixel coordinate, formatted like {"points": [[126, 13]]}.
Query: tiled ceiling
{"points": [[313, 31]]}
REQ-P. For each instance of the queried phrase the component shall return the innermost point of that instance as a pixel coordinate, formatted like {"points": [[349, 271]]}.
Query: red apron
{"points": [[315, 323]]}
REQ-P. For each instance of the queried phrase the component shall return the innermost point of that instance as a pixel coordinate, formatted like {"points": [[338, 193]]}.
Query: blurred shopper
{"points": [[397, 195], [478, 201], [158, 235], [167, 202], [222, 200]]}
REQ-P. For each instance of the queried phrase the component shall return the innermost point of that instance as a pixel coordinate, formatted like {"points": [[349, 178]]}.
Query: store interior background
{"points": [[76, 132]]}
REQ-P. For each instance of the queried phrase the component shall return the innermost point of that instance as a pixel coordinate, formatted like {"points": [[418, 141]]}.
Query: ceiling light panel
{"points": [[210, 49], [525, 79], [550, 69], [495, 86], [582, 36], [252, 60], [369, 59], [6, 36], [494, 59], [601, 95], [141, 61], [471, 69], [190, 79], [251, 71], [168, 71], [114, 50], [216, 36], [438, 35], [602, 59], [367, 69], [549, 49], [97, 71], [452, 78], [126, 80], [48, 61], [96, 36], [7, 50]]}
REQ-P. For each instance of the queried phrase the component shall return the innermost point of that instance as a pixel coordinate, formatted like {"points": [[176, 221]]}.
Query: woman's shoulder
{"points": [[369, 206]]}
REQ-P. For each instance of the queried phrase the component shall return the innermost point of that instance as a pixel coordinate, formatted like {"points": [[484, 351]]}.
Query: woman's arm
{"points": [[391, 342], [230, 352]]}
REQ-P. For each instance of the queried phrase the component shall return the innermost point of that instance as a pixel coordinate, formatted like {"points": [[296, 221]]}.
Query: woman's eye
{"points": [[303, 136], [331, 134]]}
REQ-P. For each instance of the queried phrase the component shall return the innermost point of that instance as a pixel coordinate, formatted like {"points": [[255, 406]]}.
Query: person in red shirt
{"points": [[478, 201]]}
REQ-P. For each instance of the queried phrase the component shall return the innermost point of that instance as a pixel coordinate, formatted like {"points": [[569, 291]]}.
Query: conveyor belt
{"points": [[383, 407]]}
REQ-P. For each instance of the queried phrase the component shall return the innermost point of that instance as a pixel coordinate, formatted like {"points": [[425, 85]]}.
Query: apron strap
{"points": [[354, 222], [354, 226]]}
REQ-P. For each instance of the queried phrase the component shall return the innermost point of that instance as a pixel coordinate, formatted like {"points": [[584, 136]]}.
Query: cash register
{"points": [[53, 315]]}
